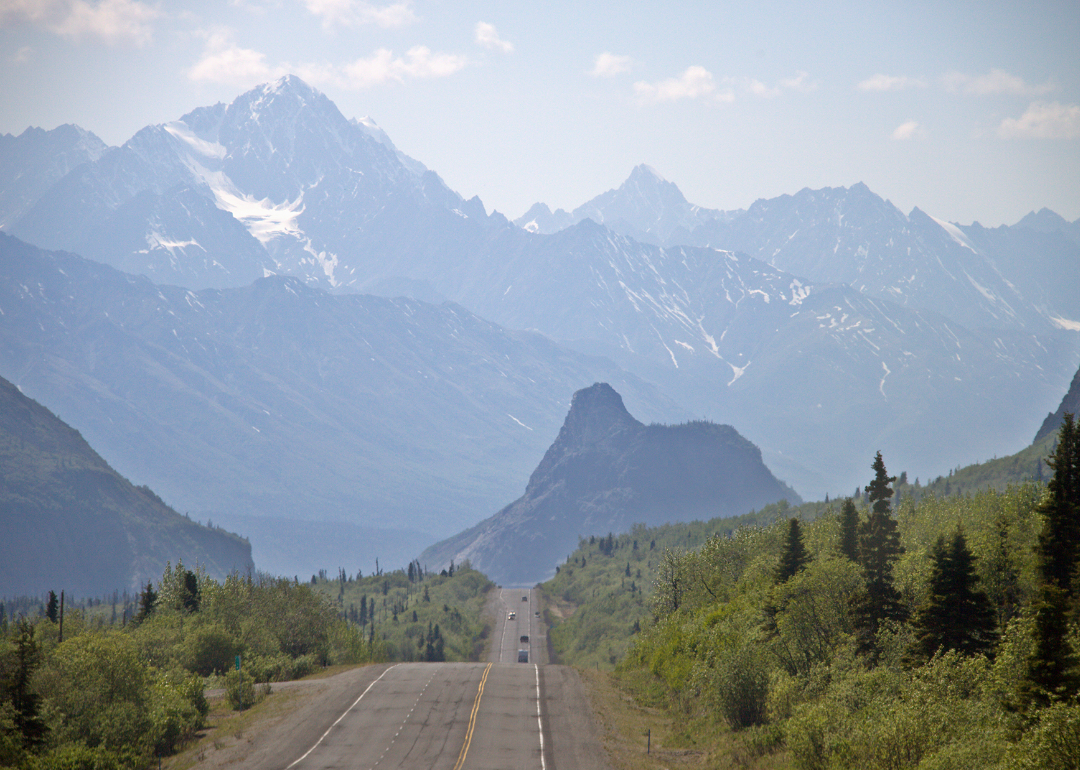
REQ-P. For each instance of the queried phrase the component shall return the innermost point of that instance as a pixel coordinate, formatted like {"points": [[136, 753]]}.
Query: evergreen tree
{"points": [[879, 548], [794, 556], [52, 609], [189, 591], [147, 602], [1059, 540], [849, 530], [956, 615], [1052, 673], [17, 689]]}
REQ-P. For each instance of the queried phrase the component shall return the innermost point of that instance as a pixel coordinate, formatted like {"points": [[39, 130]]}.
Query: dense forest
{"points": [[931, 632], [110, 684]]}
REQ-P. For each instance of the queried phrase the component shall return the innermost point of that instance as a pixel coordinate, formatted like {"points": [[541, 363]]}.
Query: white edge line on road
{"points": [[350, 708], [539, 721]]}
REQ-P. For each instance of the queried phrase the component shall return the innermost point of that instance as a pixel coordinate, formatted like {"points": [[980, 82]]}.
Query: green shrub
{"points": [[79, 756], [210, 649], [242, 692]]}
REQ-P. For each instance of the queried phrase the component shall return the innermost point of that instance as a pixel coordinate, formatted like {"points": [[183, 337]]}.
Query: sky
{"points": [[968, 110]]}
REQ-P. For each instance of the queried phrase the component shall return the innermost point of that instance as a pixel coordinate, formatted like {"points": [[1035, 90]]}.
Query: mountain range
{"points": [[273, 406], [71, 522], [606, 472], [823, 325]]}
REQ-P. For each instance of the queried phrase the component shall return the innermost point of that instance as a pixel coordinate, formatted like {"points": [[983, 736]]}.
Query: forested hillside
{"points": [[69, 521], [933, 631]]}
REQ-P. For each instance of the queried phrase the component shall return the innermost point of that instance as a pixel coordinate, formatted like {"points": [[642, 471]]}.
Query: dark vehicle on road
{"points": [[523, 656], [524, 638]]}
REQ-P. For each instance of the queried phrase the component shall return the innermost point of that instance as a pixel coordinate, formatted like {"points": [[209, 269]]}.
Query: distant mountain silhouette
{"points": [[71, 522], [605, 472]]}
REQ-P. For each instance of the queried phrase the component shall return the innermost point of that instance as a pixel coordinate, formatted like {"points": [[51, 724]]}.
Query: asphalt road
{"points": [[507, 640], [499, 715]]}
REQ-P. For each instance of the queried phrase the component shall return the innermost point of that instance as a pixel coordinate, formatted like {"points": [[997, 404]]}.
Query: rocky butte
{"points": [[605, 472]]}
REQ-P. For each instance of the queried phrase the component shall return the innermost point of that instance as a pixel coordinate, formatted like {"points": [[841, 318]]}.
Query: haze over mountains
{"points": [[823, 325]]}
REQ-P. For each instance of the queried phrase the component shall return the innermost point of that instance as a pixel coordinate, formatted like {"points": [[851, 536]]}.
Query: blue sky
{"points": [[968, 110]]}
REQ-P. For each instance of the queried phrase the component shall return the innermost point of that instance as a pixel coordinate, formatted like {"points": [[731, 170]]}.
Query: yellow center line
{"points": [[472, 720]]}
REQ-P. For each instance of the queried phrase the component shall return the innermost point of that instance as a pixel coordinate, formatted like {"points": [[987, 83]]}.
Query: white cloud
{"points": [[694, 83], [225, 62], [801, 82], [697, 82], [754, 87], [992, 83], [383, 67], [113, 21], [22, 55], [488, 37], [909, 130], [881, 82], [355, 13], [608, 64], [1043, 120]]}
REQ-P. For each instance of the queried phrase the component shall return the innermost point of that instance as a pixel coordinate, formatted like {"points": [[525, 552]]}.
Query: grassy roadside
{"points": [[627, 726]]}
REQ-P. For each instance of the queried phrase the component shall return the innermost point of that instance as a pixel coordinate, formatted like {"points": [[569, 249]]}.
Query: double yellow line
{"points": [[472, 720]]}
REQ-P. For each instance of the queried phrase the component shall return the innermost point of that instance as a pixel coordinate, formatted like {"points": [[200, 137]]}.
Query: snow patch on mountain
{"points": [[956, 234], [205, 148], [156, 240], [264, 219]]}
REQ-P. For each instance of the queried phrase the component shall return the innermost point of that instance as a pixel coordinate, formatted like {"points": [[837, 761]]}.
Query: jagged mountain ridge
{"points": [[709, 326], [35, 160], [281, 401], [646, 207], [230, 193], [71, 522], [605, 472]]}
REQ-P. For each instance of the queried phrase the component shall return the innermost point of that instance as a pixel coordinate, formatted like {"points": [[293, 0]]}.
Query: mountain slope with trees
{"points": [[972, 661], [71, 522]]}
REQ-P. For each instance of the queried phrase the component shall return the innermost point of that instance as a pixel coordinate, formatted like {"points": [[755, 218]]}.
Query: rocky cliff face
{"points": [[605, 472], [1070, 404]]}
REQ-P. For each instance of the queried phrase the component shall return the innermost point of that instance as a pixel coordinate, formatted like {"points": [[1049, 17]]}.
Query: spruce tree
{"points": [[794, 556], [52, 609], [189, 591], [1052, 668], [147, 602], [19, 692], [956, 615], [1059, 540], [849, 530], [879, 548]]}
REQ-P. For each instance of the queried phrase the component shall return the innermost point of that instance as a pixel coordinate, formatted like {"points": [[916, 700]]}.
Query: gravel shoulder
{"points": [[279, 729]]}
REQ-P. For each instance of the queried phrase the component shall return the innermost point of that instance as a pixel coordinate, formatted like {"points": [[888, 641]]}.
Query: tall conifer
{"points": [[794, 556], [1052, 668], [956, 615], [879, 548], [849, 530]]}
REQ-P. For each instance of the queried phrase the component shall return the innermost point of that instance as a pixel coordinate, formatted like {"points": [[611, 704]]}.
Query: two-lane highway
{"points": [[445, 717], [498, 715]]}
